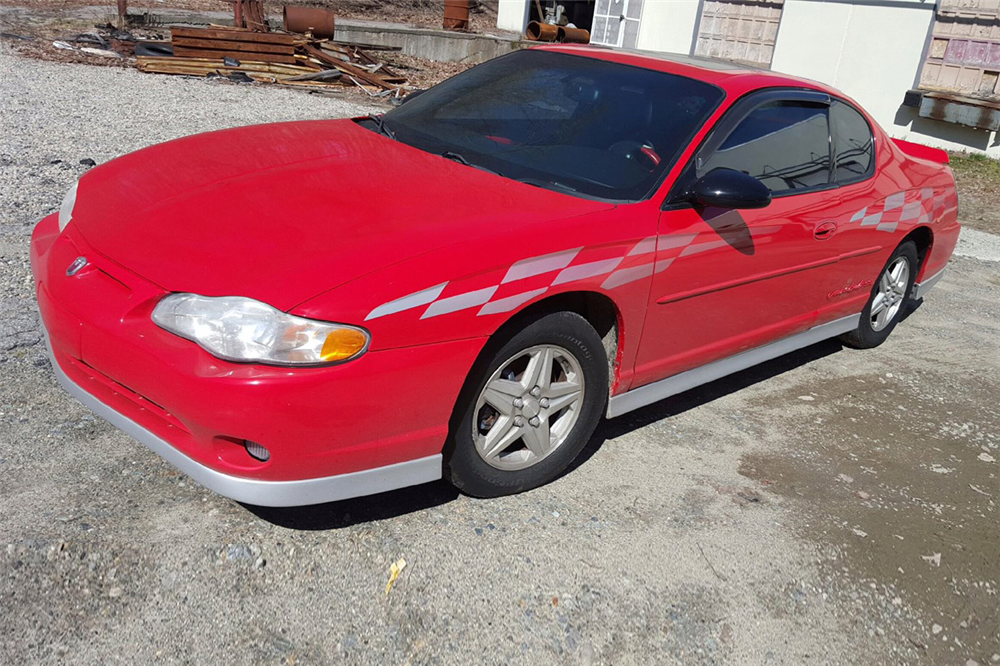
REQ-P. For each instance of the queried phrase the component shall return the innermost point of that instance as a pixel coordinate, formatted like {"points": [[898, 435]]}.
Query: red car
{"points": [[303, 312]]}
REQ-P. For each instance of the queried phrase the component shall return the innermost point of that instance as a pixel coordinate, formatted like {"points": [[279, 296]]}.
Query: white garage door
{"points": [[740, 30]]}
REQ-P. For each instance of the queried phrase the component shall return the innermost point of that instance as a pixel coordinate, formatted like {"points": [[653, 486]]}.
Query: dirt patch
{"points": [[897, 475], [978, 179]]}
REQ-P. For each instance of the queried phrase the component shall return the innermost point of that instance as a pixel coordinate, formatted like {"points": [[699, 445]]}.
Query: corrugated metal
{"points": [[740, 30], [964, 53], [961, 110]]}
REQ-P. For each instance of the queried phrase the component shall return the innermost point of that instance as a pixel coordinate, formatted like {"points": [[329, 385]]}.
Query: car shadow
{"points": [[395, 503], [371, 508], [702, 395], [706, 393]]}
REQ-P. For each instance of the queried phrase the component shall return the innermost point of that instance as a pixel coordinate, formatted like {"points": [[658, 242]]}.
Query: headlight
{"points": [[242, 329], [66, 209]]}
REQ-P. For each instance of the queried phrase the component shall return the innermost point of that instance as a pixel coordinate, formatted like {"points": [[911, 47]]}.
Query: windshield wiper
{"points": [[380, 125], [547, 184], [458, 157]]}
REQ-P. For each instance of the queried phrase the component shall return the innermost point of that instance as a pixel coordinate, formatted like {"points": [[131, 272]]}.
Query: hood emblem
{"points": [[76, 266]]}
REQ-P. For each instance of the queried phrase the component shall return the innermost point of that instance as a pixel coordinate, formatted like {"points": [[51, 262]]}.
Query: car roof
{"points": [[735, 78]]}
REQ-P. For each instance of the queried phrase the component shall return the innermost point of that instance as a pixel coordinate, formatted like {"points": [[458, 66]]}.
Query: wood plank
{"points": [[218, 62], [227, 45], [285, 70], [203, 69], [348, 68], [319, 85], [365, 58], [237, 35], [184, 52], [254, 16]]}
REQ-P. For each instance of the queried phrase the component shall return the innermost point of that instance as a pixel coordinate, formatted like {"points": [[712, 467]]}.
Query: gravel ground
{"points": [[832, 507]]}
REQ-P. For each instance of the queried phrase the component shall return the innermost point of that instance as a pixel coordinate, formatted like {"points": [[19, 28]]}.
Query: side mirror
{"points": [[728, 188]]}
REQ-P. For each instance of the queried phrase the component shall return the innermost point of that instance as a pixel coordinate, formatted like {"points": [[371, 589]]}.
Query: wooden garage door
{"points": [[964, 55], [740, 30]]}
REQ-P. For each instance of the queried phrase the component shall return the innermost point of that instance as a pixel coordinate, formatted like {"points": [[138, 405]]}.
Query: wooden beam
{"points": [[185, 52], [349, 69], [238, 35], [228, 45]]}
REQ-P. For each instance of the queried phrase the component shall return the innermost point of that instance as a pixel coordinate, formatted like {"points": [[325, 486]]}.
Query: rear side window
{"points": [[853, 145], [784, 144]]}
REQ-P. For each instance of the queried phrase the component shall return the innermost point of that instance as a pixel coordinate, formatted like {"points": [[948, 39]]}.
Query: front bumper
{"points": [[367, 426], [257, 491]]}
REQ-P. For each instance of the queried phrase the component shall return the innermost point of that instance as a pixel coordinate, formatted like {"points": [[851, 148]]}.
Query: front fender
{"points": [[472, 288]]}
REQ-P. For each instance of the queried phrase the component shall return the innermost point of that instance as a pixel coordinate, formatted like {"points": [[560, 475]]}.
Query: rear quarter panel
{"points": [[932, 184]]}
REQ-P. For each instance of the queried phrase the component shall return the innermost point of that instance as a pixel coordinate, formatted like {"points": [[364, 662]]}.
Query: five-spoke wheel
{"points": [[890, 294], [529, 409], [892, 288]]}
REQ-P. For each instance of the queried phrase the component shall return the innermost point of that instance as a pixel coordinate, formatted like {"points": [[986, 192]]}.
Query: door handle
{"points": [[825, 230]]}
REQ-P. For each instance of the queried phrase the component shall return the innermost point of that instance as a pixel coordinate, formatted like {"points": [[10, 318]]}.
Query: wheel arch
{"points": [[923, 238], [600, 311]]}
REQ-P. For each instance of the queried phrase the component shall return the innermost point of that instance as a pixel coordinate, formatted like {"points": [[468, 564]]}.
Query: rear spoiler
{"points": [[922, 152]]}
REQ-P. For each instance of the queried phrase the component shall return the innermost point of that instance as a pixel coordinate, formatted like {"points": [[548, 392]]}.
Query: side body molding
{"points": [[650, 393]]}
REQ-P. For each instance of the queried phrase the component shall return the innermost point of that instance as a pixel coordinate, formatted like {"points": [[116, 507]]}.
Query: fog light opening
{"points": [[257, 450]]}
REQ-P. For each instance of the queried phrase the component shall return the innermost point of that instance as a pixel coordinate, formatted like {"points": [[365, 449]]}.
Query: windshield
{"points": [[580, 125]]}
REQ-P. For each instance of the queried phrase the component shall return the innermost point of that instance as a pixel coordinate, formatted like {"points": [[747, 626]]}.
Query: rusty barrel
{"points": [[456, 14], [542, 32], [309, 19], [573, 35]]}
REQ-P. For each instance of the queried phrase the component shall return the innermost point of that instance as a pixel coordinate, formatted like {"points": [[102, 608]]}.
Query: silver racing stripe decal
{"points": [[414, 300], [921, 205]]}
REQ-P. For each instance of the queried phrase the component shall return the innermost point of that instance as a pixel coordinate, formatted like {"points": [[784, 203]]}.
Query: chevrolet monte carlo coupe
{"points": [[463, 287]]}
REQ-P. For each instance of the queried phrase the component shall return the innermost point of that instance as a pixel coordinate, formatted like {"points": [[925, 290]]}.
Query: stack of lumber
{"points": [[274, 57], [237, 43]]}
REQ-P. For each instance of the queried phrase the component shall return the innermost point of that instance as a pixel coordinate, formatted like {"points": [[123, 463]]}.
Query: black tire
{"points": [[466, 468], [866, 336]]}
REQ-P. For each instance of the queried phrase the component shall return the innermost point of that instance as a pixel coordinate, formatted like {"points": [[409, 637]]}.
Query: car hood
{"points": [[285, 211]]}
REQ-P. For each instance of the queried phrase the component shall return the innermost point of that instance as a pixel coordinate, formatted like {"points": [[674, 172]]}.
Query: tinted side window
{"points": [[853, 147], [786, 145]]}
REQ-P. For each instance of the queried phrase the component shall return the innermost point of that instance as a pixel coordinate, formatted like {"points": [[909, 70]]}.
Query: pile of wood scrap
{"points": [[274, 57]]}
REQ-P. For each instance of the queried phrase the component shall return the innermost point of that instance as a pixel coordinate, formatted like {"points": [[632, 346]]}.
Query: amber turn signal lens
{"points": [[342, 344]]}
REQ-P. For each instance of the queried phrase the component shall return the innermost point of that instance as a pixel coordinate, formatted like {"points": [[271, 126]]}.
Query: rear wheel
{"points": [[888, 300], [528, 413]]}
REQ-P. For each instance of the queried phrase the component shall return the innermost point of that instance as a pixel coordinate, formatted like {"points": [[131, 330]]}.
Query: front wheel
{"points": [[888, 299], [530, 411]]}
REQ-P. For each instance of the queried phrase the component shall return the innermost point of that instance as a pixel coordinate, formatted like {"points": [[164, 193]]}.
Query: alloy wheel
{"points": [[528, 407], [891, 293]]}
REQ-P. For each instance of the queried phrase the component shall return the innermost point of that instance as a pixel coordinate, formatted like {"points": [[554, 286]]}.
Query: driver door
{"points": [[730, 280]]}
